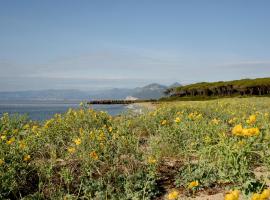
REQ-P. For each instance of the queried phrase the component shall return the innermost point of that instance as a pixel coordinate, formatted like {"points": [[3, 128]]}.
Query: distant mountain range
{"points": [[152, 91]]}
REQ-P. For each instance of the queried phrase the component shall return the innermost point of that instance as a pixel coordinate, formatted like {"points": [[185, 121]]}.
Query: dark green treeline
{"points": [[259, 86]]}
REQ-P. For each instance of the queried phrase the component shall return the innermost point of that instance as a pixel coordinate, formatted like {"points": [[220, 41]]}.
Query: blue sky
{"points": [[87, 44]]}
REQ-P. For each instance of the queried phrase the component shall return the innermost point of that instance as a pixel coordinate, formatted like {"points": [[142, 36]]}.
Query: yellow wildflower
{"points": [[101, 136], [231, 121], [253, 131], [34, 128], [26, 126], [163, 122], [151, 160], [251, 119], [94, 155], [199, 116], [101, 145], [215, 121], [237, 130], [11, 140], [91, 135], [110, 129], [173, 195], [230, 196], [194, 116], [207, 139], [233, 195], [15, 131], [236, 194], [2, 162], [265, 194], [241, 143], [191, 116], [193, 184], [256, 196], [179, 113], [3, 137], [71, 150], [177, 120], [26, 157], [245, 132], [22, 145], [77, 141], [81, 112], [47, 124], [81, 131]]}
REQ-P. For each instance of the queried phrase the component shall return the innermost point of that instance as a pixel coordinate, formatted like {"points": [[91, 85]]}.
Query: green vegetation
{"points": [[259, 86], [175, 151]]}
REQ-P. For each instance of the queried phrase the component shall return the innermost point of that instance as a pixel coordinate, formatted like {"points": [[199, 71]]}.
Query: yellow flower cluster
{"points": [[177, 120], [2, 162], [11, 140], [251, 119], [231, 121], [3, 137], [151, 160], [215, 121], [240, 131], [71, 150], [81, 131], [22, 144], [174, 194], [233, 195], [94, 155], [263, 196], [193, 184], [26, 126], [207, 139], [26, 157], [110, 129], [163, 122], [194, 115], [180, 112], [35, 129], [77, 141], [48, 123]]}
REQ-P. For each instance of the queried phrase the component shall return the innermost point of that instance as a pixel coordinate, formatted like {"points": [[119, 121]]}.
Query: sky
{"points": [[96, 44]]}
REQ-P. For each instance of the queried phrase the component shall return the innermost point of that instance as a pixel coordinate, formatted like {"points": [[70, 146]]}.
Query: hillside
{"points": [[152, 91], [259, 86]]}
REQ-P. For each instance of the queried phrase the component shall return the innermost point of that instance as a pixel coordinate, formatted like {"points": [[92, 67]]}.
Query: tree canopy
{"points": [[259, 86]]}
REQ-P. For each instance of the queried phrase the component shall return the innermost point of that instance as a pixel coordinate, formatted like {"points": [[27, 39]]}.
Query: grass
{"points": [[176, 151]]}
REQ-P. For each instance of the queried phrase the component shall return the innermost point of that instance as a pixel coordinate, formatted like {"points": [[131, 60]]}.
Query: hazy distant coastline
{"points": [[151, 91]]}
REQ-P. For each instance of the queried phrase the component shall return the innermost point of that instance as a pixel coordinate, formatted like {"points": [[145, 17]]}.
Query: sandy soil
{"points": [[147, 105]]}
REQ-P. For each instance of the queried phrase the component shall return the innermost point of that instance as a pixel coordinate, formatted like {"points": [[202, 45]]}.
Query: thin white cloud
{"points": [[246, 63]]}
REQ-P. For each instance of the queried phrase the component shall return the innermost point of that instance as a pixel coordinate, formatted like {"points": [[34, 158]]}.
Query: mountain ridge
{"points": [[150, 91]]}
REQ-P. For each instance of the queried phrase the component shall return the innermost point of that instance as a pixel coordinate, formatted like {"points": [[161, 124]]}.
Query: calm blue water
{"points": [[42, 110]]}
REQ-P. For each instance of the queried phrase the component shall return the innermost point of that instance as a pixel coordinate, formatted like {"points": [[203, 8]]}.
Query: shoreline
{"points": [[147, 105]]}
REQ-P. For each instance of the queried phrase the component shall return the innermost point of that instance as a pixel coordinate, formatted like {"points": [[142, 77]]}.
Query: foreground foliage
{"points": [[175, 151]]}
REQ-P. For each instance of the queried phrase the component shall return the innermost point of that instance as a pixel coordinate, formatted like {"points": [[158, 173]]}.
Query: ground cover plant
{"points": [[176, 151]]}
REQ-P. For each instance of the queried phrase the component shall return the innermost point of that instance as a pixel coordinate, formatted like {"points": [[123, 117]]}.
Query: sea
{"points": [[43, 110]]}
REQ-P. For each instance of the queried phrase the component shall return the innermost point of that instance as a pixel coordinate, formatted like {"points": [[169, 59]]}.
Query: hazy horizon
{"points": [[86, 45]]}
